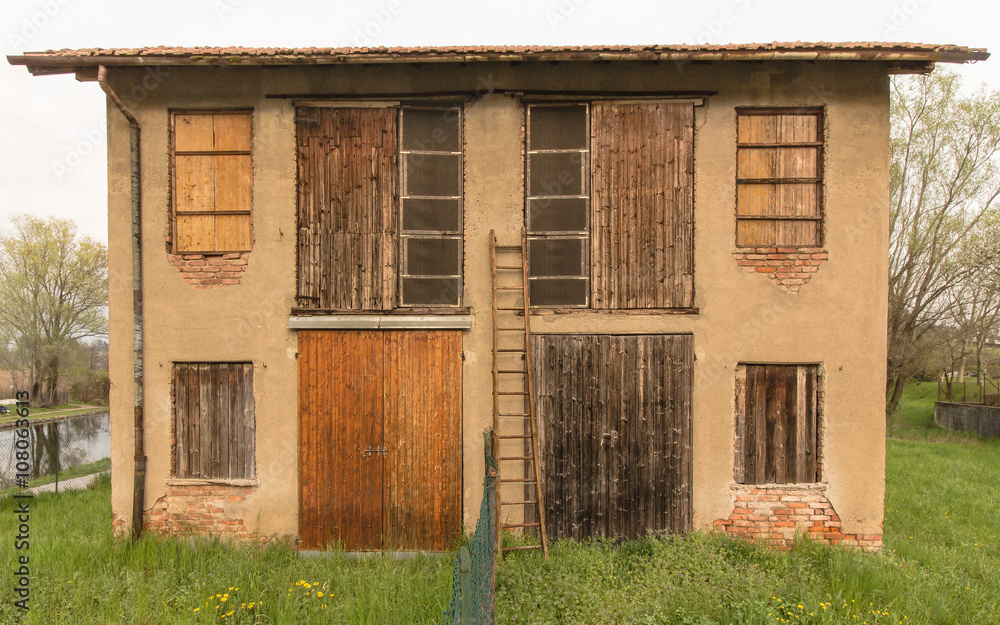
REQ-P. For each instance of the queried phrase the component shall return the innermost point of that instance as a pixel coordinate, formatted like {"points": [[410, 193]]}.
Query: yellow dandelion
{"points": [[196, 609], [319, 594]]}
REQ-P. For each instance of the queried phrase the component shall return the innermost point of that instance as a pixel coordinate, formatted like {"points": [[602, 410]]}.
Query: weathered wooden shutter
{"points": [[779, 171], [348, 208], [776, 420], [212, 181], [642, 205], [615, 436], [215, 423]]}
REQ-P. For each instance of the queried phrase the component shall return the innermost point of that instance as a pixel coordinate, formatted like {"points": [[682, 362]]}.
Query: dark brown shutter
{"points": [[776, 420], [615, 435], [214, 428], [348, 201], [642, 205]]}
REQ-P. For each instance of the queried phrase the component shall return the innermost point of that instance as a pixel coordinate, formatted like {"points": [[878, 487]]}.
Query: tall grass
{"points": [[80, 574], [941, 563]]}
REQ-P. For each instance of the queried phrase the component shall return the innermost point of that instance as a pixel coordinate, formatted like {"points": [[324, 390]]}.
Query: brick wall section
{"points": [[210, 271], [788, 267], [205, 509], [775, 515]]}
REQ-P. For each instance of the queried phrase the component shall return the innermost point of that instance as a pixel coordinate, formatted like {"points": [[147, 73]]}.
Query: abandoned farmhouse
{"points": [[319, 262]]}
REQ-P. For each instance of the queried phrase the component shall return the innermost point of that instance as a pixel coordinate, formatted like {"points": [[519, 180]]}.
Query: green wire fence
{"points": [[474, 583]]}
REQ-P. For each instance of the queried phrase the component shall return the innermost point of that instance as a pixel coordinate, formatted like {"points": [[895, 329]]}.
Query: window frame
{"points": [[820, 181], [584, 236], [179, 438], [404, 236], [742, 448], [174, 247]]}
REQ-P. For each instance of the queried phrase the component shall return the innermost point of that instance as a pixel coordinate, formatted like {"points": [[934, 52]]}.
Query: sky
{"points": [[52, 128]]}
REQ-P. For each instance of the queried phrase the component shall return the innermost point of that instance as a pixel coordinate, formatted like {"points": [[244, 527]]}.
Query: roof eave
{"points": [[901, 61]]}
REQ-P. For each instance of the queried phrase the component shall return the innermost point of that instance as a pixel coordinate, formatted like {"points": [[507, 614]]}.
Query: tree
{"points": [[944, 178], [53, 292]]}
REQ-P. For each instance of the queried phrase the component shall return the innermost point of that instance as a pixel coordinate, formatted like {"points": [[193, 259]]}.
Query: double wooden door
{"points": [[380, 457]]}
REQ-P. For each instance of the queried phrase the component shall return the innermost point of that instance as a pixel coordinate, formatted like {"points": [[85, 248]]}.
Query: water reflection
{"points": [[58, 446]]}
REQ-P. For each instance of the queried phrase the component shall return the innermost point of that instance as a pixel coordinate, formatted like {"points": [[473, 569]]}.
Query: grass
{"points": [[99, 466], [941, 563], [53, 411], [81, 575], [914, 417]]}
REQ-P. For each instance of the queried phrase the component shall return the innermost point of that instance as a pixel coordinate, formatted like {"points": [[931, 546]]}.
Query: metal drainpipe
{"points": [[139, 486]]}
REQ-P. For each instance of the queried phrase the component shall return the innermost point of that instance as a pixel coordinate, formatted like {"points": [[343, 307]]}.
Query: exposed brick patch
{"points": [[118, 527], [788, 267], [203, 509], [210, 271], [775, 515]]}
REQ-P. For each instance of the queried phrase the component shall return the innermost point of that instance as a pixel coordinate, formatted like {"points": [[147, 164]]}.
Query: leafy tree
{"points": [[53, 292], [944, 179]]}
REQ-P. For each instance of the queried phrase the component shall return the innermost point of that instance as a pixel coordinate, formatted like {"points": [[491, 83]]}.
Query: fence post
{"points": [[55, 427], [465, 577]]}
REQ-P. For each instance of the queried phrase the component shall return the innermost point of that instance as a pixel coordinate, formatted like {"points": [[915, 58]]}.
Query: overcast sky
{"points": [[52, 148]]}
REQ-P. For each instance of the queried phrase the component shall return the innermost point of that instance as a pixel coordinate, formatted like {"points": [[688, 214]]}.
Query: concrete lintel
{"points": [[380, 322]]}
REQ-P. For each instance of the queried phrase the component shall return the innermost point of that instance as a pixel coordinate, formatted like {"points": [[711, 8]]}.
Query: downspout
{"points": [[139, 486]]}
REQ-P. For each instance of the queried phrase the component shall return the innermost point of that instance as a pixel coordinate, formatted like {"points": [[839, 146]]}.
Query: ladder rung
{"points": [[527, 480], [518, 267], [517, 503], [521, 524], [515, 417], [507, 247], [522, 547], [511, 371], [514, 414], [511, 350], [520, 308], [510, 288], [503, 436], [517, 457], [512, 392]]}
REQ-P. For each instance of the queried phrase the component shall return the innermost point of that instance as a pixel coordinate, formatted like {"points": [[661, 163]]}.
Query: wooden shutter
{"points": [[212, 181], [215, 423], [615, 435], [347, 208], [776, 420], [642, 205], [779, 169]]}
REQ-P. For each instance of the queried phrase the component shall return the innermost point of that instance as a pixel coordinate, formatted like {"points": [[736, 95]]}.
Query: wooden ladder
{"points": [[512, 369]]}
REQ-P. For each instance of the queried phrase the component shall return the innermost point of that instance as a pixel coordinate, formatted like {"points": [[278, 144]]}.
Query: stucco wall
{"points": [[837, 320]]}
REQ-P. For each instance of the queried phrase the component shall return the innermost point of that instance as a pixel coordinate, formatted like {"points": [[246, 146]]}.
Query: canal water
{"points": [[81, 441]]}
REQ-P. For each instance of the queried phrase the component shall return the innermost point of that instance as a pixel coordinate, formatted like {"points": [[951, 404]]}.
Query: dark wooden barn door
{"points": [[379, 439], [615, 436]]}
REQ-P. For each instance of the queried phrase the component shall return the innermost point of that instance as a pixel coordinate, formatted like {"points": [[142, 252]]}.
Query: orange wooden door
{"points": [[380, 459], [340, 419], [423, 425]]}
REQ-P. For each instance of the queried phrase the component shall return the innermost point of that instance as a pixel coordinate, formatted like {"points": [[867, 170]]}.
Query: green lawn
{"points": [[54, 411], [941, 565], [81, 575]]}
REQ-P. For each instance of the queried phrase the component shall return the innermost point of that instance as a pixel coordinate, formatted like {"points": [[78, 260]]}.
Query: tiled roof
{"points": [[53, 61]]}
